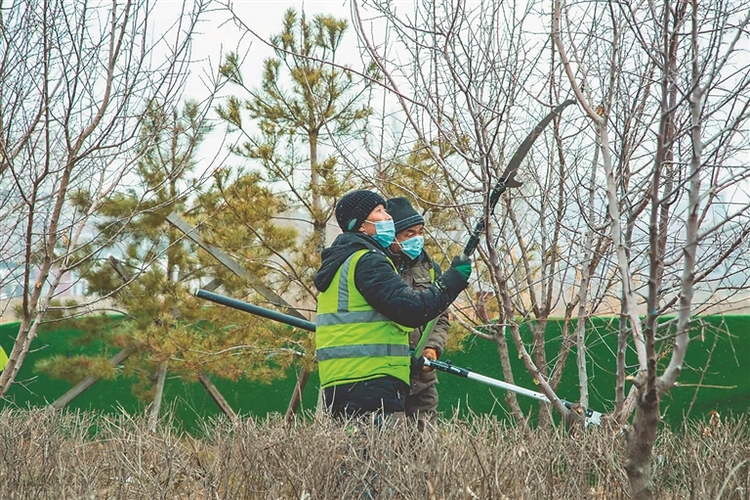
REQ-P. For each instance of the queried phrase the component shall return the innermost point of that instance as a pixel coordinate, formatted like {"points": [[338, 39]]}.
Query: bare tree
{"points": [[679, 197], [634, 207], [474, 84], [77, 78]]}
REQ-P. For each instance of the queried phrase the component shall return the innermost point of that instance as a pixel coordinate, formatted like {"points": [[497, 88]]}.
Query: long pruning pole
{"points": [[589, 415], [257, 310]]}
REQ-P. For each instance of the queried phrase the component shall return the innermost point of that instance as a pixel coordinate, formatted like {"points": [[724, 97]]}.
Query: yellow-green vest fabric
{"points": [[353, 342], [3, 359]]}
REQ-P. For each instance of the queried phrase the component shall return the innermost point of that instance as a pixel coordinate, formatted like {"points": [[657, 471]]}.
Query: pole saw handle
{"points": [[500, 187], [471, 245]]}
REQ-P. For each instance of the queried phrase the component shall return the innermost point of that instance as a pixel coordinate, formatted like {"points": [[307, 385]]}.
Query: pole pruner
{"points": [[506, 180]]}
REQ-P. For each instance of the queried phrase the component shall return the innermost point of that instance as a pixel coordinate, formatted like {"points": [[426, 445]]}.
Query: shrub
{"points": [[83, 455]]}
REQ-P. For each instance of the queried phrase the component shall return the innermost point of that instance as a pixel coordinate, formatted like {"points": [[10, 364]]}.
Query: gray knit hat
{"points": [[354, 207], [404, 215]]}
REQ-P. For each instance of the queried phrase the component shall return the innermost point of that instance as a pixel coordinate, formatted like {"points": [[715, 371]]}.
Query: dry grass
{"points": [[58, 456]]}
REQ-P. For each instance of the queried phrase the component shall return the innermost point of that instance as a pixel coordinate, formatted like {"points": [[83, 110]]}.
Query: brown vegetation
{"points": [[81, 455]]}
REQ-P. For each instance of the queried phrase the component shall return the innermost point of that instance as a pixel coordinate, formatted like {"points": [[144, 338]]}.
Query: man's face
{"points": [[377, 214], [408, 233]]}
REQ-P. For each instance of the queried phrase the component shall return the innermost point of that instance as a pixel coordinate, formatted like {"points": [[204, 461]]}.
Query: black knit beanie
{"points": [[404, 215], [354, 207]]}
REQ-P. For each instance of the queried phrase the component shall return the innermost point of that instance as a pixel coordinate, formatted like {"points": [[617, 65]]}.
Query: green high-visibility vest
{"points": [[3, 359], [354, 342]]}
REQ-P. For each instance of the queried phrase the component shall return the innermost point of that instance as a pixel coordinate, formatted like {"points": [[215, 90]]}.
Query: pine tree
{"points": [[155, 268], [305, 101]]}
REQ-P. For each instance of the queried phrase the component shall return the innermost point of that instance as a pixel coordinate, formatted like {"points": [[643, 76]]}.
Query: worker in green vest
{"points": [[365, 312], [419, 271]]}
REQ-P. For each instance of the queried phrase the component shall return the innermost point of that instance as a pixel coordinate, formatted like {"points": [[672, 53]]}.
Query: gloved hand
{"points": [[431, 354], [462, 266], [417, 363]]}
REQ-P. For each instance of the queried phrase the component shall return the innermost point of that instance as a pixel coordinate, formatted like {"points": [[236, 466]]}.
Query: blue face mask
{"points": [[413, 246], [385, 232]]}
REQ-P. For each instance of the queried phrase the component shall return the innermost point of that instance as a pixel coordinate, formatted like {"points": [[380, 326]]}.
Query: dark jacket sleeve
{"points": [[387, 293]]}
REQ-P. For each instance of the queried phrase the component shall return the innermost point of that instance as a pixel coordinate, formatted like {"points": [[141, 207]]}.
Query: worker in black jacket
{"points": [[366, 310], [419, 271]]}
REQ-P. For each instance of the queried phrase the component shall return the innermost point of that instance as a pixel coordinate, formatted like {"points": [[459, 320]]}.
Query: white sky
{"points": [[217, 35]]}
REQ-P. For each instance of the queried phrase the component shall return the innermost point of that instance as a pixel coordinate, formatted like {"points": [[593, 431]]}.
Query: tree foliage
{"points": [[76, 80], [155, 266], [300, 120]]}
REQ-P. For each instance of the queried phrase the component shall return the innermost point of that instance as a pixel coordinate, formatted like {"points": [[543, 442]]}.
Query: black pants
{"points": [[386, 395]]}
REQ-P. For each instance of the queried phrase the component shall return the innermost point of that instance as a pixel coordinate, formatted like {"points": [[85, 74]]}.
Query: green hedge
{"points": [[725, 386]]}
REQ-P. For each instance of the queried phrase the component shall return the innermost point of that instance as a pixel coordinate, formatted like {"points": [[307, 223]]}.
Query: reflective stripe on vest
{"points": [[353, 341], [340, 318], [360, 351]]}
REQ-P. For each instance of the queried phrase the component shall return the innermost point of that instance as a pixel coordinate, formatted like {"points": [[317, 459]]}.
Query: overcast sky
{"points": [[263, 17], [218, 35]]}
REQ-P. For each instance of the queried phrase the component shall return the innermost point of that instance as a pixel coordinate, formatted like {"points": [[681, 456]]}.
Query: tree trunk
{"points": [[502, 351], [27, 333], [640, 438], [161, 376], [299, 389]]}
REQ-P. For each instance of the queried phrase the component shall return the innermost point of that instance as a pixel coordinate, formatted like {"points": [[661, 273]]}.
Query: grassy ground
{"points": [[81, 455]]}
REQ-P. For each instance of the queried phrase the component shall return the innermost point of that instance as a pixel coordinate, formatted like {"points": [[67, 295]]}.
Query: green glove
{"points": [[462, 266]]}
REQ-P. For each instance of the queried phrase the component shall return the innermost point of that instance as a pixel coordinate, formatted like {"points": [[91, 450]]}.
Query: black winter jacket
{"points": [[381, 285]]}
